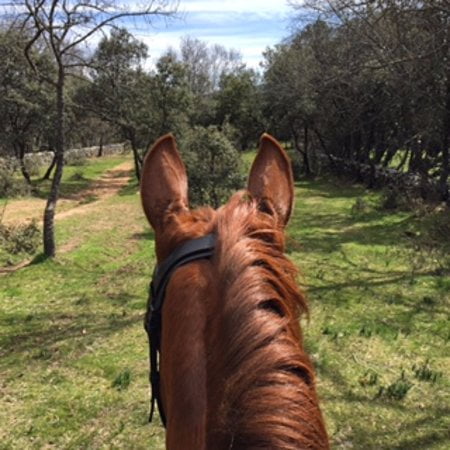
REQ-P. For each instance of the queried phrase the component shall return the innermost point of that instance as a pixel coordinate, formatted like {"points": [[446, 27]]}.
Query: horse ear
{"points": [[270, 181], [164, 185]]}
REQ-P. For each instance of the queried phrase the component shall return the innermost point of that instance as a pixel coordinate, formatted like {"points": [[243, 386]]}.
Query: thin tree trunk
{"points": [[100, 147], [23, 168], [50, 168], [50, 208], [302, 152], [137, 158], [305, 147], [445, 172]]}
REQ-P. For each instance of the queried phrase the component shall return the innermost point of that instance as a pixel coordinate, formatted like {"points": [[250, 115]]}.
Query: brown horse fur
{"points": [[233, 368]]}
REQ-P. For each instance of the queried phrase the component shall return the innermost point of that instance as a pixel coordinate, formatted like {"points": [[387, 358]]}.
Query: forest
{"points": [[360, 88]]}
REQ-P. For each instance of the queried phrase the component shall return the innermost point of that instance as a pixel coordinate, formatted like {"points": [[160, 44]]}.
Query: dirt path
{"points": [[107, 186]]}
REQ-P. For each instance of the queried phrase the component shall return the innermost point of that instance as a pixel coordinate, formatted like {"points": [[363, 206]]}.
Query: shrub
{"points": [[10, 184], [75, 158], [22, 238], [213, 166], [401, 198], [396, 390], [424, 372], [122, 380], [34, 162], [439, 224]]}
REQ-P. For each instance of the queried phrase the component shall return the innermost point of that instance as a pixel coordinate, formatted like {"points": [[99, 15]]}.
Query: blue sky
{"points": [[248, 26]]}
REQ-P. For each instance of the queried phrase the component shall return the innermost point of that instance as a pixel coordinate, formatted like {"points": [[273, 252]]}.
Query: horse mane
{"points": [[260, 382], [267, 396]]}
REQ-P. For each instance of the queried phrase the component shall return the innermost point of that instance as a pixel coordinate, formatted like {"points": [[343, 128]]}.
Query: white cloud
{"points": [[237, 6], [249, 26]]}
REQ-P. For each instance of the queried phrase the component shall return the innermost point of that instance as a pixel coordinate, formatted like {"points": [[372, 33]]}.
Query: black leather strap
{"points": [[202, 248]]}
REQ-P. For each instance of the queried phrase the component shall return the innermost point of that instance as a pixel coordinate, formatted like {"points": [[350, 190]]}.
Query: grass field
{"points": [[73, 367]]}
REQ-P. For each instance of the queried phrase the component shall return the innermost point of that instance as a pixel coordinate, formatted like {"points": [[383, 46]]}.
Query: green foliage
{"points": [[121, 90], [75, 159], [213, 166], [25, 102], [33, 165], [171, 96], [370, 378], [10, 184], [365, 82], [22, 238], [122, 380], [424, 372], [397, 390], [238, 102]]}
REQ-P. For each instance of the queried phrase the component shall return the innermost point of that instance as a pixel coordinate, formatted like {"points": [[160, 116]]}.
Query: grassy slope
{"points": [[72, 327], [380, 301], [75, 178]]}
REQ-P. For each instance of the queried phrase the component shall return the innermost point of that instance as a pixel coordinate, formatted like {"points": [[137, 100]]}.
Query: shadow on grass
{"points": [[131, 188], [39, 259], [389, 277], [46, 330], [331, 231], [147, 235], [68, 189], [430, 438], [331, 188], [362, 436], [428, 417]]}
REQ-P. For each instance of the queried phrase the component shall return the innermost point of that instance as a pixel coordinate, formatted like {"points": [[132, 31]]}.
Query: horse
{"points": [[233, 370]]}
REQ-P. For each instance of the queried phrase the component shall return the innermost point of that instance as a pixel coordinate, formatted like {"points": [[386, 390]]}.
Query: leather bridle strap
{"points": [[193, 250]]}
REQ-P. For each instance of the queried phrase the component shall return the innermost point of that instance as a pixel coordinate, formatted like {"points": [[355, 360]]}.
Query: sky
{"points": [[249, 26]]}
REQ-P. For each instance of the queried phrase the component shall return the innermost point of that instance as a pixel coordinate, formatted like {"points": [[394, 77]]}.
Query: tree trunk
{"points": [[50, 208], [137, 158], [445, 172], [100, 147], [50, 168], [303, 153], [23, 168]]}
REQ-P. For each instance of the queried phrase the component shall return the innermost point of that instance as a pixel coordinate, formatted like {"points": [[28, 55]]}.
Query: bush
{"points": [[75, 158], [213, 166], [10, 185], [34, 162], [22, 238]]}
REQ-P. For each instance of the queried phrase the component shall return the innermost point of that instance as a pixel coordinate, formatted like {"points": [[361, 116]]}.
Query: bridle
{"points": [[193, 250]]}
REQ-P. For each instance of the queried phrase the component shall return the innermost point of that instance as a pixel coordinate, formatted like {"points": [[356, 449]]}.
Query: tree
{"points": [[290, 95], [172, 98], [25, 101], [383, 90], [239, 104], [204, 66], [119, 92], [213, 166], [63, 26]]}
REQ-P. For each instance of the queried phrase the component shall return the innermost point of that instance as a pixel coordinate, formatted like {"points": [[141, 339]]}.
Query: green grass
{"points": [[379, 295], [73, 352]]}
